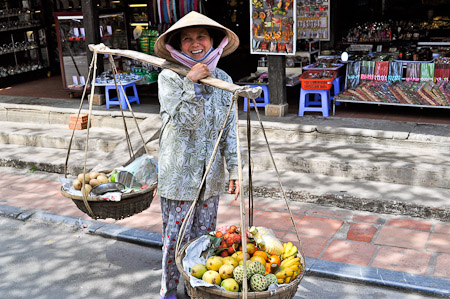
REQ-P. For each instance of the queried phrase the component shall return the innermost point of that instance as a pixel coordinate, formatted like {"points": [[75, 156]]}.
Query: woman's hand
{"points": [[198, 71], [233, 188]]}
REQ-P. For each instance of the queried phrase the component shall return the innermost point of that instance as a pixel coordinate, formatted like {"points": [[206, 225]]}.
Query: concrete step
{"points": [[59, 114], [47, 159], [353, 194], [414, 166], [103, 139], [396, 135]]}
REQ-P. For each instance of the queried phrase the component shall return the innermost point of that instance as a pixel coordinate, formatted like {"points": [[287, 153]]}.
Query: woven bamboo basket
{"points": [[284, 292], [130, 204]]}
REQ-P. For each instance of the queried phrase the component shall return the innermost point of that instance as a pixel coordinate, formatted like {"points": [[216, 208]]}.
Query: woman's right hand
{"points": [[198, 71]]}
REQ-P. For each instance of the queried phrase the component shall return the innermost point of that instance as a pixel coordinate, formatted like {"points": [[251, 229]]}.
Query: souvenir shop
{"points": [[395, 52]]}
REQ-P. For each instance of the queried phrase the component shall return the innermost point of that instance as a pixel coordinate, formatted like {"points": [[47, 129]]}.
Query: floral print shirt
{"points": [[189, 130]]}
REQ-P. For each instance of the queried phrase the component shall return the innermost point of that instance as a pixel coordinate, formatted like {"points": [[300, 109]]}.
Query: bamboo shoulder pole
{"points": [[243, 91]]}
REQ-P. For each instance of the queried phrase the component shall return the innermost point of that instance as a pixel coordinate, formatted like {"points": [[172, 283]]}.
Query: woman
{"points": [[192, 115]]}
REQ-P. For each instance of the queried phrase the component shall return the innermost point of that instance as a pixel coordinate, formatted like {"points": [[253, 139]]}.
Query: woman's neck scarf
{"points": [[210, 59]]}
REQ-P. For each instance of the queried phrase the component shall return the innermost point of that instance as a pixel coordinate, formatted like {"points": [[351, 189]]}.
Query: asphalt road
{"points": [[42, 260]]}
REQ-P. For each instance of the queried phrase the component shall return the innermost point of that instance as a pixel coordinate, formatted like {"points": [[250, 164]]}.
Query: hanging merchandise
{"points": [[273, 29], [170, 11], [313, 19]]}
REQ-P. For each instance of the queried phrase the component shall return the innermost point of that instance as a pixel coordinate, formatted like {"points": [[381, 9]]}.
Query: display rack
{"points": [[23, 41], [313, 19], [73, 49], [273, 27]]}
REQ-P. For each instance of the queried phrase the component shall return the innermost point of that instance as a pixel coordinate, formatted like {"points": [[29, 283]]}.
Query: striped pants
{"points": [[173, 213]]}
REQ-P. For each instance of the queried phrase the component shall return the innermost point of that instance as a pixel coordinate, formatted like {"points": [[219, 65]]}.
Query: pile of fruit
{"points": [[91, 180], [269, 261]]}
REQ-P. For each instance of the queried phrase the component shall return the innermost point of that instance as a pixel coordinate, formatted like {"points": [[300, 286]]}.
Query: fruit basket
{"points": [[129, 204], [317, 79], [286, 289]]}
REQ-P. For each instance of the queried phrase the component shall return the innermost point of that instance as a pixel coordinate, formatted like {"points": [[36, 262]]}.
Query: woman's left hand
{"points": [[233, 188]]}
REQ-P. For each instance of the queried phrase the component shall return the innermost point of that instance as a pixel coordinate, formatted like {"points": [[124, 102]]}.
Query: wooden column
{"points": [[92, 31], [277, 86]]}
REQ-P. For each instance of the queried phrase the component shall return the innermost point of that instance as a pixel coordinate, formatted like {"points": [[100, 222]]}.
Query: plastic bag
{"points": [[142, 171], [266, 240]]}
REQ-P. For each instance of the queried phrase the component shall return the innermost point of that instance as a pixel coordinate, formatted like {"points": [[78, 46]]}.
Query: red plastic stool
{"points": [[260, 102]]}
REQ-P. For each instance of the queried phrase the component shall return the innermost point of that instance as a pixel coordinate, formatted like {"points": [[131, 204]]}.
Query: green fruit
{"points": [[258, 283], [271, 279], [230, 284], [256, 267], [112, 178], [198, 270], [238, 274]]}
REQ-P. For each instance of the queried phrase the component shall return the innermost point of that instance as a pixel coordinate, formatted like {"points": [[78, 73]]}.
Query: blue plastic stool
{"points": [[338, 86], [260, 102], [121, 96], [323, 102]]}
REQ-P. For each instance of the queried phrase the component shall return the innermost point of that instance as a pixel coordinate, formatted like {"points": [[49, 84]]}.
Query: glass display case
{"points": [[72, 45], [23, 42]]}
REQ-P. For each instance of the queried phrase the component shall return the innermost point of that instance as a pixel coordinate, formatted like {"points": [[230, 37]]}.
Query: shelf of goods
{"points": [[73, 49], [412, 83], [23, 41]]}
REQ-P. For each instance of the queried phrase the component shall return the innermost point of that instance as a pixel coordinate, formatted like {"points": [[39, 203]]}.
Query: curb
{"points": [[322, 268]]}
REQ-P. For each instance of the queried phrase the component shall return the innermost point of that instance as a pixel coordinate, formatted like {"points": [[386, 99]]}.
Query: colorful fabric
{"points": [[190, 128], [426, 72], [173, 214], [210, 59], [395, 71]]}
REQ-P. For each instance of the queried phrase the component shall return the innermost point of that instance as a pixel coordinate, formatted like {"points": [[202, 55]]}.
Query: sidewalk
{"points": [[389, 250]]}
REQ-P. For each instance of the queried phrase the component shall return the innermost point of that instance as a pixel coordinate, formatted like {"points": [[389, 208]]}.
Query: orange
{"points": [[261, 254], [259, 259], [274, 259], [268, 269]]}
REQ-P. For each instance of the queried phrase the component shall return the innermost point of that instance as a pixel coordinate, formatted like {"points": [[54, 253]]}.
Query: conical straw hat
{"points": [[195, 19]]}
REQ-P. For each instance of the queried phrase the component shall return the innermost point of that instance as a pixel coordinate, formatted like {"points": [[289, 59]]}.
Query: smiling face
{"points": [[195, 42]]}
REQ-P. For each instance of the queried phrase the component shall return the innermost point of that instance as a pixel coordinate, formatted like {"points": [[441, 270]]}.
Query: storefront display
{"points": [[313, 19], [72, 45], [422, 84], [23, 41], [273, 29]]}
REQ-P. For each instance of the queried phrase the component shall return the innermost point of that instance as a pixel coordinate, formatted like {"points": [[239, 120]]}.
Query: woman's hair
{"points": [[216, 35]]}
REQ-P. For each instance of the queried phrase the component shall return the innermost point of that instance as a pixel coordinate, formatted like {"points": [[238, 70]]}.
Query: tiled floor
{"points": [[52, 88], [406, 244]]}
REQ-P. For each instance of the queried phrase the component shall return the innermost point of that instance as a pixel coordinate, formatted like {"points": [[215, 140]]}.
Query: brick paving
{"points": [[406, 244]]}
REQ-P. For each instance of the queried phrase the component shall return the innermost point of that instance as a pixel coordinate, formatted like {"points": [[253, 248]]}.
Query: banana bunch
{"points": [[288, 250], [290, 268]]}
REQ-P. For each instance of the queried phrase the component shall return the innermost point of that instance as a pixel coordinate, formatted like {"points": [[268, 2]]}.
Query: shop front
{"points": [[397, 51]]}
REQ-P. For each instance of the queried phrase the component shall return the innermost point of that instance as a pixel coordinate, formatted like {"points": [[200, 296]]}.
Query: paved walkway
{"points": [[412, 252]]}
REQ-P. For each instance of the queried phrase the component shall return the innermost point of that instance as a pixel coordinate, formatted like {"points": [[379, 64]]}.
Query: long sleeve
{"points": [[177, 98]]}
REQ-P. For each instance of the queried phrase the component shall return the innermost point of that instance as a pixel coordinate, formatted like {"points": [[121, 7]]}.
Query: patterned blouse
{"points": [[189, 130]]}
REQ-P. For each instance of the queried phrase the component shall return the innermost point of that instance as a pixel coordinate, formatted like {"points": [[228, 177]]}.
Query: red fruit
{"points": [[224, 253], [231, 250], [229, 241], [237, 239], [232, 229], [226, 236], [219, 234], [223, 245]]}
